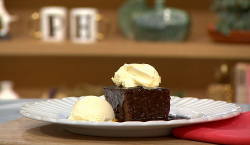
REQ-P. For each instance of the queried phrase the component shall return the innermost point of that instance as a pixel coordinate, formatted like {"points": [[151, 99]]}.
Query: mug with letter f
{"points": [[84, 25], [52, 24]]}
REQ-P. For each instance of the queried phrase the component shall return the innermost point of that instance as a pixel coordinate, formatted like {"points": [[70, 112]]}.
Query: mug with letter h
{"points": [[84, 25]]}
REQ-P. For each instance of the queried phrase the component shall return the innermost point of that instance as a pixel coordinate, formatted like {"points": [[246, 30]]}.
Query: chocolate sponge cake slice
{"points": [[138, 103]]}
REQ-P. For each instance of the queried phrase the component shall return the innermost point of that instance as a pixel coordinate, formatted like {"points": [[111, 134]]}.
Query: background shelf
{"points": [[120, 47]]}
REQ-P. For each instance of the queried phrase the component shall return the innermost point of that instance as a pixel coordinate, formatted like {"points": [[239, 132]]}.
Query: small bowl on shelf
{"points": [[235, 36]]}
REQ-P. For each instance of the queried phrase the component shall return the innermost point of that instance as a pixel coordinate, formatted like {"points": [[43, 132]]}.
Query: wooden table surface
{"points": [[33, 132]]}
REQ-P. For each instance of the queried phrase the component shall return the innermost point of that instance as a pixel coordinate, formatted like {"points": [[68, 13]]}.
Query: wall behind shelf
{"points": [[48, 72], [110, 4]]}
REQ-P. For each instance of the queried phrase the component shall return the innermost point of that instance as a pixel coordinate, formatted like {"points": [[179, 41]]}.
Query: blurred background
{"points": [[204, 64]]}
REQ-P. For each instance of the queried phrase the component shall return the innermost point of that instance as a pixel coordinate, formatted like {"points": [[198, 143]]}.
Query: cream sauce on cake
{"points": [[132, 75]]}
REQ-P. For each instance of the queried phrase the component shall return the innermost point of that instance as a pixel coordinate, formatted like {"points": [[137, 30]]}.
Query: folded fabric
{"points": [[229, 131]]}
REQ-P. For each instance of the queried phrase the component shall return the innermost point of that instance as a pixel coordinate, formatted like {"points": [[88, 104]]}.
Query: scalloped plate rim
{"points": [[137, 125], [71, 122]]}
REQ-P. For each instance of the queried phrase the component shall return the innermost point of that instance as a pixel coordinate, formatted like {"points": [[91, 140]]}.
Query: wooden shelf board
{"points": [[120, 47]]}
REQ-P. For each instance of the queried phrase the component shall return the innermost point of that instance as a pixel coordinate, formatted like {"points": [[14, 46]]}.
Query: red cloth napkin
{"points": [[230, 131]]}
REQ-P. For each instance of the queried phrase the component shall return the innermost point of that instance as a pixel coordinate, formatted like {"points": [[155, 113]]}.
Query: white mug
{"points": [[52, 24], [84, 25]]}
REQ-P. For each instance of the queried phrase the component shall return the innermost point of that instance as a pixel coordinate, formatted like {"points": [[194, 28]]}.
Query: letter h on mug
{"points": [[83, 24]]}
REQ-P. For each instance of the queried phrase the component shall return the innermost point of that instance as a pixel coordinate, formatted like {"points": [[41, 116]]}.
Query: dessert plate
{"points": [[183, 112]]}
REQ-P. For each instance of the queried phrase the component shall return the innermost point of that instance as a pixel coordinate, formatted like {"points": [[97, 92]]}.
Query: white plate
{"points": [[198, 110]]}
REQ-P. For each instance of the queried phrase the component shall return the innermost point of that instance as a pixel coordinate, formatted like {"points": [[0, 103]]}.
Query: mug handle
{"points": [[106, 21], [32, 32]]}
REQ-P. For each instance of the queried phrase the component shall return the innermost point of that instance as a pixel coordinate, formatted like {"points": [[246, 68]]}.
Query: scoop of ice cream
{"points": [[92, 108], [132, 75]]}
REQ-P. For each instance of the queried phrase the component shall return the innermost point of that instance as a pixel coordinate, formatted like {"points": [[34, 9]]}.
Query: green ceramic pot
{"points": [[159, 23]]}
